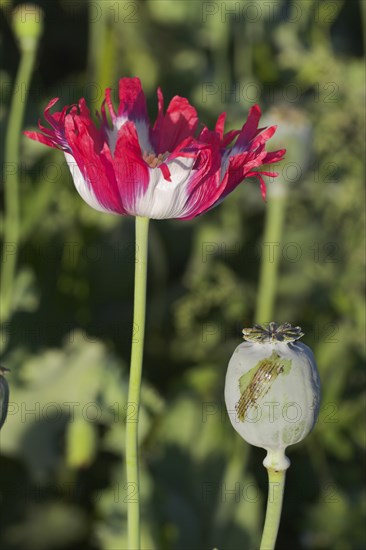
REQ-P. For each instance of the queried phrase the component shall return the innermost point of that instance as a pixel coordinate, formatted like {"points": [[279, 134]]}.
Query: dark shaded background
{"points": [[67, 343]]}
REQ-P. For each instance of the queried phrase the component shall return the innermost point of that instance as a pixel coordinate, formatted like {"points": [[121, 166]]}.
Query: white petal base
{"points": [[166, 199], [82, 186]]}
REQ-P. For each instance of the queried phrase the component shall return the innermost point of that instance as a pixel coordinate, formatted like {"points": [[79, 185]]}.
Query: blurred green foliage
{"points": [[67, 343]]}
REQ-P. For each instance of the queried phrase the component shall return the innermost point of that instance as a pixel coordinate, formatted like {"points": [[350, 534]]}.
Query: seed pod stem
{"points": [[276, 486]]}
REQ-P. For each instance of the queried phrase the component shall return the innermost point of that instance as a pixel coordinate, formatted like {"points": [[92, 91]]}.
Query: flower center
{"points": [[154, 160]]}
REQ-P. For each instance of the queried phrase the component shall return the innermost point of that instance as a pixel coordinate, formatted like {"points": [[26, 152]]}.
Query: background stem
{"points": [[133, 405], [101, 47], [271, 251], [276, 486], [11, 170]]}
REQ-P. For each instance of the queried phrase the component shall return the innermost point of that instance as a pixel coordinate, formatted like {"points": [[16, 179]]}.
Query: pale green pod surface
{"points": [[272, 389]]}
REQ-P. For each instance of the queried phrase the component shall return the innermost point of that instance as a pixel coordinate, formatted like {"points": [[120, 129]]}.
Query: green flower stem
{"points": [[11, 169], [133, 405], [271, 253], [276, 486]]}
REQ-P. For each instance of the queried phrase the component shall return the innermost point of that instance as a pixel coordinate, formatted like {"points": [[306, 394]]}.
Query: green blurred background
{"points": [[67, 340]]}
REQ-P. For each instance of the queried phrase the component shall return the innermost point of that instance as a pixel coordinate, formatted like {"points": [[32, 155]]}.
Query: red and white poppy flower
{"points": [[125, 166]]}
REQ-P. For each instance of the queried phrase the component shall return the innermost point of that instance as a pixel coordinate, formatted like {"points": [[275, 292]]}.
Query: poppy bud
{"points": [[27, 23], [272, 390]]}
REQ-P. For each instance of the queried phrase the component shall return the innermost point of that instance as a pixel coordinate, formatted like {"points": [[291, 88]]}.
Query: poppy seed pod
{"points": [[272, 390]]}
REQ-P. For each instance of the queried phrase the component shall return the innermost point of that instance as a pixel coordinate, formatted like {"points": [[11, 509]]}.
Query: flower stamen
{"points": [[154, 160]]}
